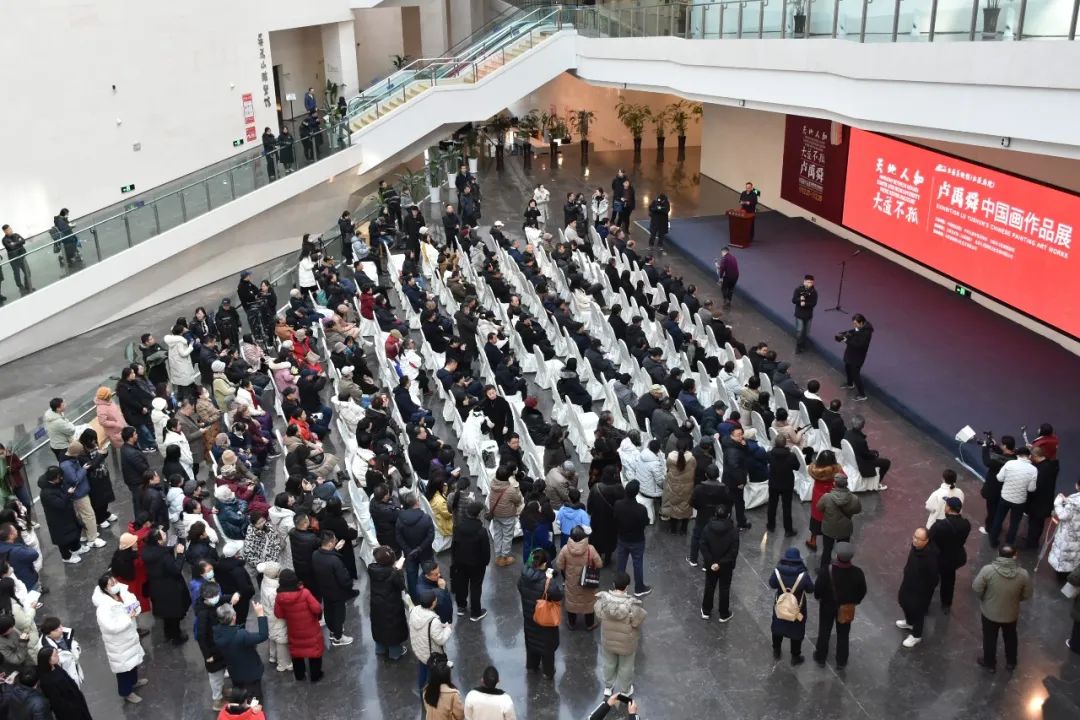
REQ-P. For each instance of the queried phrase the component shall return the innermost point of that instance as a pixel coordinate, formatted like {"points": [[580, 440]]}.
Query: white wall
{"points": [[299, 52], [179, 69], [379, 36], [743, 144], [566, 93], [974, 93]]}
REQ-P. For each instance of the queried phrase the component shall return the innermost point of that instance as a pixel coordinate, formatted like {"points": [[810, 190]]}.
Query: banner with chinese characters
{"points": [[1007, 237], [814, 167]]}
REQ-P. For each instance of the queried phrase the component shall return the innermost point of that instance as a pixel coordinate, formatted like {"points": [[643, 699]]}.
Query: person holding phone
{"points": [[240, 708], [614, 701]]}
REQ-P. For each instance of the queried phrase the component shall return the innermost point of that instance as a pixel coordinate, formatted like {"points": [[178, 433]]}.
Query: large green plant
{"points": [[681, 113], [413, 185], [660, 119], [633, 116], [400, 61], [579, 122], [529, 123], [437, 164], [331, 95]]}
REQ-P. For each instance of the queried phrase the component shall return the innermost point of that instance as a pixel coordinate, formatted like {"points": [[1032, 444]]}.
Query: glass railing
{"points": [[48, 258], [519, 33], [857, 20]]}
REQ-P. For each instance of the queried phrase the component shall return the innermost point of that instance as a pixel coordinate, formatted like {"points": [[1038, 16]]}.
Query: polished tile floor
{"points": [[687, 668]]}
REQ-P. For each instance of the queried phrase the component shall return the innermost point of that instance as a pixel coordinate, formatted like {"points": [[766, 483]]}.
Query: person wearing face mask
{"points": [[205, 618], [116, 610]]}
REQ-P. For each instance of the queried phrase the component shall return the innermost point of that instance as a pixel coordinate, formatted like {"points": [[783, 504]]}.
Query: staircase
{"points": [[522, 32]]}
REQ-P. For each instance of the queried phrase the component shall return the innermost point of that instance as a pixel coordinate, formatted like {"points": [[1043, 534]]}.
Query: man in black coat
{"points": [[782, 467], [303, 543], [1041, 502], [499, 416], [469, 557], [205, 620], [856, 345], [804, 298], [133, 463], [842, 584], [834, 421], [451, 226], [949, 535], [59, 507], [921, 574], [868, 460], [705, 498], [422, 450], [736, 463], [230, 573], [238, 648], [384, 513], [415, 533], [335, 583], [647, 403], [631, 519], [994, 457], [719, 550]]}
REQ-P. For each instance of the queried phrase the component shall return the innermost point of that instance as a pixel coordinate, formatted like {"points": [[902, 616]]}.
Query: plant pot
{"points": [[682, 148], [473, 164], [584, 151], [637, 150], [433, 194], [800, 24], [660, 148], [451, 179], [553, 148], [990, 21]]}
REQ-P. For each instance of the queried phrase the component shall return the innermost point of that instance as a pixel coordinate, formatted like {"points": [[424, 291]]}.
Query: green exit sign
{"points": [[128, 188], [962, 291], [238, 143]]}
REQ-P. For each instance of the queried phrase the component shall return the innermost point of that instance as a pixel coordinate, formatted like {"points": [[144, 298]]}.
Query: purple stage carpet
{"points": [[940, 360]]}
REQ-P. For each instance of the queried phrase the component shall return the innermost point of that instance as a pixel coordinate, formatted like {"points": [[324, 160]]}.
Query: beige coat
{"points": [[574, 556], [449, 708], [678, 486]]}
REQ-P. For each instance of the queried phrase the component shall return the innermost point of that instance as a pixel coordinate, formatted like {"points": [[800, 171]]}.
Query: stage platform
{"points": [[939, 360]]}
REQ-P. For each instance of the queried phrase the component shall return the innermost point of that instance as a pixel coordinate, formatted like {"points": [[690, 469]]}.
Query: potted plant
{"points": [[990, 15], [434, 170], [660, 119], [497, 126], [412, 185], [579, 122], [530, 127], [400, 61], [471, 148], [681, 113], [799, 7], [633, 116]]}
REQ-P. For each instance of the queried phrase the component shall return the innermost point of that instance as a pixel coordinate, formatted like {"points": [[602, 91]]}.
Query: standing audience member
{"points": [[1017, 478], [295, 604], [1040, 503], [839, 589], [427, 633], [782, 468], [949, 535], [65, 697], [621, 617], [792, 581], [577, 555], [60, 516], [470, 554], [415, 532], [1001, 586], [117, 610], [389, 624], [1065, 554], [539, 582], [169, 594], [838, 507], [719, 550], [935, 504], [631, 519], [921, 574], [487, 701], [442, 700], [335, 585], [239, 648]]}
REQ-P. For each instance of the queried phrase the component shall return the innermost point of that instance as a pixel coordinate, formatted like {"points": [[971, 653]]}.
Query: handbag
{"points": [[590, 576], [548, 613], [845, 612], [487, 511]]}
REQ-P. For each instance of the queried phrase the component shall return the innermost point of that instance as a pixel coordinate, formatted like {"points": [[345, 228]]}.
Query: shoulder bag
{"points": [[548, 613], [845, 612], [590, 576]]}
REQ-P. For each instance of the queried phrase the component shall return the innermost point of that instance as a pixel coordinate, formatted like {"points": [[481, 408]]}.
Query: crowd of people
{"points": [[345, 380]]}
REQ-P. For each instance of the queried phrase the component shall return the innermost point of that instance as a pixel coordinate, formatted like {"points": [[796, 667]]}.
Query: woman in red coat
{"points": [[823, 472], [127, 565], [301, 612], [367, 304]]}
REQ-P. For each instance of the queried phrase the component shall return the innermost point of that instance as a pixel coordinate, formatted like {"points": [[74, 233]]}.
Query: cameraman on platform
{"points": [[857, 342]]}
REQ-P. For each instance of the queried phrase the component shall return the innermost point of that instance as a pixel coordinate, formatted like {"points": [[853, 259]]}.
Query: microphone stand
{"points": [[840, 289]]}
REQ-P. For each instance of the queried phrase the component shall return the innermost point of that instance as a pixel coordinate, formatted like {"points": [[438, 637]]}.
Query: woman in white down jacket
{"points": [[181, 372], [645, 465], [1065, 553], [117, 610], [542, 196], [279, 636], [935, 504]]}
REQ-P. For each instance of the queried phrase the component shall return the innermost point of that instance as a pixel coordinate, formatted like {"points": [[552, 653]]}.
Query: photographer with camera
{"points": [[857, 344], [994, 456]]}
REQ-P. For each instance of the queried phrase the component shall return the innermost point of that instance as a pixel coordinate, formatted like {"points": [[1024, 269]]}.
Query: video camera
{"points": [[843, 336]]}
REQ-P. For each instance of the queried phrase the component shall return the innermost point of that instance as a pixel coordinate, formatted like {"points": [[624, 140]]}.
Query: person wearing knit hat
{"points": [[77, 484], [217, 366], [838, 590], [790, 577]]}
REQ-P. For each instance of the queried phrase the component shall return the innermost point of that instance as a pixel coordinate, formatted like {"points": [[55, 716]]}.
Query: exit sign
{"points": [[127, 188], [962, 291], [238, 143]]}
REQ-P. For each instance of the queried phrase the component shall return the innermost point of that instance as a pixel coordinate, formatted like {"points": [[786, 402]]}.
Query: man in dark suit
{"points": [[857, 344], [804, 299], [748, 198], [868, 460], [835, 422], [1041, 502]]}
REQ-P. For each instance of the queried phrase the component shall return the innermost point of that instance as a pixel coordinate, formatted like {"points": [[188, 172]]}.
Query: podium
{"points": [[740, 228]]}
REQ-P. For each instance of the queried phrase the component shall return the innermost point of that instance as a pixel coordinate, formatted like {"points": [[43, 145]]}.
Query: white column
{"points": [[339, 56], [434, 38]]}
